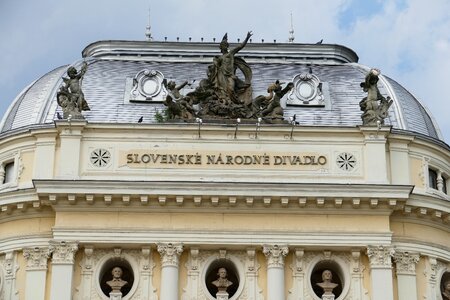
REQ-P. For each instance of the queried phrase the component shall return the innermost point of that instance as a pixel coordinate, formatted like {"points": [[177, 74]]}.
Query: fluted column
{"points": [[406, 274], [381, 272], [36, 272], [170, 255], [62, 269], [275, 270]]}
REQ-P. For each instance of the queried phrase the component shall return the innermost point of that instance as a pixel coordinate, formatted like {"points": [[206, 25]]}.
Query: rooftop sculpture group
{"points": [[223, 95]]}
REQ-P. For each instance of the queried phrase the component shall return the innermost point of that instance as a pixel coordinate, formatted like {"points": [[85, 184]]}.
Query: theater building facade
{"points": [[170, 202]]}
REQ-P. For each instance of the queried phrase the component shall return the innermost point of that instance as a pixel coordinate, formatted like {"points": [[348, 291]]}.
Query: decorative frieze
{"points": [[275, 255], [406, 262], [63, 252], [36, 258], [380, 256], [170, 253]]}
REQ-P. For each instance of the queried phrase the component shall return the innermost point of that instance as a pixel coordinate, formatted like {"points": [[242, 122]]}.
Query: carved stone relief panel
{"points": [[147, 86], [307, 91]]}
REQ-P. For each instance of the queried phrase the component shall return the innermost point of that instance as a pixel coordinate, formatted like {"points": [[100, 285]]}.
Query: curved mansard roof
{"points": [[113, 65]]}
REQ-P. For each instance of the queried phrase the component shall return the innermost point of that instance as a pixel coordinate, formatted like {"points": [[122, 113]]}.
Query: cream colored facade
{"points": [[169, 202]]}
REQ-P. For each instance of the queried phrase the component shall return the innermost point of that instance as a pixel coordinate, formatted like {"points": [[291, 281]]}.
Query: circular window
{"points": [[445, 285], [106, 276], [305, 90], [319, 275], [217, 271]]}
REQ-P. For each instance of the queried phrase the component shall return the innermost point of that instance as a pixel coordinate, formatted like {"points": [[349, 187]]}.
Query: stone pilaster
{"points": [[298, 275], [36, 272], [87, 270], [381, 271], [405, 263], [170, 257], [146, 269], [275, 255], [10, 267], [62, 269]]}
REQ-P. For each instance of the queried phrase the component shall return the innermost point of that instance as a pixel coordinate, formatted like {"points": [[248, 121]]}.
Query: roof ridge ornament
{"points": [[148, 33], [291, 32]]}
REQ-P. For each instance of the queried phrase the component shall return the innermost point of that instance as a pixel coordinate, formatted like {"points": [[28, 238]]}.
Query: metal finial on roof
{"points": [[291, 32], [148, 33]]}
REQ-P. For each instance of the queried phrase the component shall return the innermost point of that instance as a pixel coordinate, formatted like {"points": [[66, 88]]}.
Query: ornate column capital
{"points": [[275, 255], [380, 256], [36, 258], [63, 252], [170, 253], [406, 262]]}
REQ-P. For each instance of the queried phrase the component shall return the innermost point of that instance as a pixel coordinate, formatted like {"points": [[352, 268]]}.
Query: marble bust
{"points": [[326, 283], [116, 283], [446, 292], [222, 283]]}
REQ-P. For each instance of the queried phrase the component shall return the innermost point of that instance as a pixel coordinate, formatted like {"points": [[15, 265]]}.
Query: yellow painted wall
{"points": [[420, 278], [27, 158], [48, 281], [183, 271], [223, 221], [262, 273], [366, 274], [21, 275], [28, 226], [394, 282], [417, 172], [77, 270], [157, 272], [420, 232]]}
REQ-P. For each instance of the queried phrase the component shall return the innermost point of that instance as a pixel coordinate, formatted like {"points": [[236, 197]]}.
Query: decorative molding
{"points": [[380, 256], [406, 262], [170, 253], [275, 255], [36, 258], [63, 252]]}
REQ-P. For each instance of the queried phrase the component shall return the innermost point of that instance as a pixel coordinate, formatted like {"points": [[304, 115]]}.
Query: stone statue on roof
{"points": [[375, 106], [70, 96], [223, 95]]}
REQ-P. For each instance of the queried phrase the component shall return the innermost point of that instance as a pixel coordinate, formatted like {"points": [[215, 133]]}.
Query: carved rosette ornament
{"points": [[170, 254], [406, 262], [380, 256], [275, 255], [63, 252], [36, 258]]}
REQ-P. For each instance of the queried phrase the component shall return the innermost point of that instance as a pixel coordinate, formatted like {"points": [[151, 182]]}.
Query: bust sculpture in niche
{"points": [[326, 283], [116, 283], [446, 292], [222, 283]]}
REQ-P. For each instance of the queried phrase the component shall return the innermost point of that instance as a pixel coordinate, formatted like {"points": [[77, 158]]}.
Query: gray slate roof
{"points": [[104, 86]]}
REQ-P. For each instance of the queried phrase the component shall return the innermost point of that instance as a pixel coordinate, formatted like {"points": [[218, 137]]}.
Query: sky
{"points": [[408, 40]]}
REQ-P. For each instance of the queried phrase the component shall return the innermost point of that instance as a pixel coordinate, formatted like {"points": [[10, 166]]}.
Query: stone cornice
{"points": [[213, 237], [199, 51]]}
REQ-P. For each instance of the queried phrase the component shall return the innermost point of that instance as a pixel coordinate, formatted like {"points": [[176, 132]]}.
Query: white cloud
{"points": [[408, 40]]}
